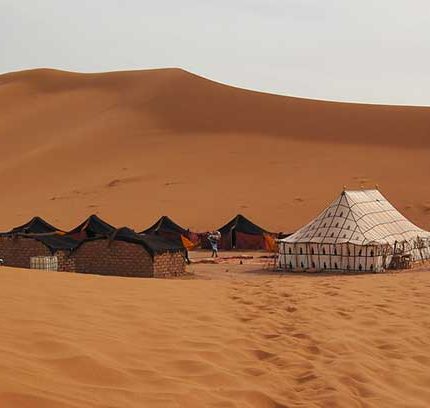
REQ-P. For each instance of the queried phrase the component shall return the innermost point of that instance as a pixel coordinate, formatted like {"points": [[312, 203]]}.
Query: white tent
{"points": [[359, 231]]}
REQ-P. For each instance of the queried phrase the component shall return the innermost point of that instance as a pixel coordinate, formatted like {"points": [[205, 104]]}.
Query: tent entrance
{"points": [[233, 238]]}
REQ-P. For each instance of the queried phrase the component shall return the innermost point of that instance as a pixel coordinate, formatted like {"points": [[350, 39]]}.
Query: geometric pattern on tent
{"points": [[359, 231], [360, 217]]}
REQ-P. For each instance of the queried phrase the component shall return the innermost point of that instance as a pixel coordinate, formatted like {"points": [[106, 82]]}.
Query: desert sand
{"points": [[240, 337], [131, 146]]}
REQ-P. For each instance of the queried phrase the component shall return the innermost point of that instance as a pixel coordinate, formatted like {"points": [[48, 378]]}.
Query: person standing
{"points": [[213, 238]]}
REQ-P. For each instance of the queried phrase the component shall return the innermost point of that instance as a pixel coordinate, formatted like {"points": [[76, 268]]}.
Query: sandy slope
{"points": [[131, 146], [238, 340]]}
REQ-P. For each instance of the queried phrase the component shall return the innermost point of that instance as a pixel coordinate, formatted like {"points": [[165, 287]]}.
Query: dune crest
{"points": [[182, 139]]}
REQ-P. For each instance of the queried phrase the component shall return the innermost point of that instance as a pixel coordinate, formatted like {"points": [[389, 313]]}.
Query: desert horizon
{"points": [[99, 143]]}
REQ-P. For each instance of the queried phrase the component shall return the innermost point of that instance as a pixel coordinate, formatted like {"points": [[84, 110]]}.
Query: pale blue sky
{"points": [[375, 51]]}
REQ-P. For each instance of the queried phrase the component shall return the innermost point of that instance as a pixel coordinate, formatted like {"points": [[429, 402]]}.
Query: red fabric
{"points": [[243, 241], [247, 241], [225, 242]]}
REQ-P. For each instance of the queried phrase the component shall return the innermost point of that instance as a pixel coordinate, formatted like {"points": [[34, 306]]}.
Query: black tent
{"points": [[152, 243], [36, 225], [92, 227], [241, 233], [54, 242], [167, 228]]}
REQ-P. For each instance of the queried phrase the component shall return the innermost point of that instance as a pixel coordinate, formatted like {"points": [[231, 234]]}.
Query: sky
{"points": [[370, 51]]}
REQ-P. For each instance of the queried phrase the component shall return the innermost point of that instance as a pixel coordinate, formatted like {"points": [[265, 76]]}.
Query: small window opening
{"points": [[360, 267], [313, 265], [332, 235], [289, 250], [312, 250], [323, 251], [371, 253], [335, 265], [371, 267], [325, 265], [301, 264], [301, 251]]}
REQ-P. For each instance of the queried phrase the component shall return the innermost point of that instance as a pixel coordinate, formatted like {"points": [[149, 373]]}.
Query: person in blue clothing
{"points": [[213, 238]]}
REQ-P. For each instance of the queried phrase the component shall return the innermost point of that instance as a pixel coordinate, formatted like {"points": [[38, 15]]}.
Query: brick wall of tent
{"points": [[104, 257], [121, 258], [118, 258], [169, 264], [17, 251]]}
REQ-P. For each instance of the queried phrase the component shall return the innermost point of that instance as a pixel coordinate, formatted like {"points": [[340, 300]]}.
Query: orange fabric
{"points": [[188, 244], [270, 243]]}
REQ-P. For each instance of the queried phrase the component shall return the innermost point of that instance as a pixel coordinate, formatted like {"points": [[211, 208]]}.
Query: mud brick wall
{"points": [[100, 257], [66, 261], [117, 258], [169, 264], [17, 251]]}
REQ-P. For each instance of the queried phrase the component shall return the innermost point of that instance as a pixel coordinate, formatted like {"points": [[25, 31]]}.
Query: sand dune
{"points": [[132, 146], [238, 339]]}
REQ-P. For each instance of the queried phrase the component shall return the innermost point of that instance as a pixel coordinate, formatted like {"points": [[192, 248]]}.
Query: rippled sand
{"points": [[238, 338]]}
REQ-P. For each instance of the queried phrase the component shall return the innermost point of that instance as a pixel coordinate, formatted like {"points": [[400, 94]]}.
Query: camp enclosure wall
{"points": [[115, 255], [120, 258], [17, 251], [345, 257]]}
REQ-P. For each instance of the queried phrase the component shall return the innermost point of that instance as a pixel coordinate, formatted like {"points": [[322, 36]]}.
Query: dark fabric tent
{"points": [[92, 227], [54, 242], [36, 225], [241, 233], [167, 228], [152, 243]]}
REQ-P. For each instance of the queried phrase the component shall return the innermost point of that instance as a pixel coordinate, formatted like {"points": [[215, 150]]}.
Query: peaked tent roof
{"points": [[242, 224], [153, 244], [54, 242], [165, 224], [36, 225], [361, 217], [93, 226]]}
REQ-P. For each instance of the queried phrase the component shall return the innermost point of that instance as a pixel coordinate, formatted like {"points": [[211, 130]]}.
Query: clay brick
{"points": [[100, 257]]}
